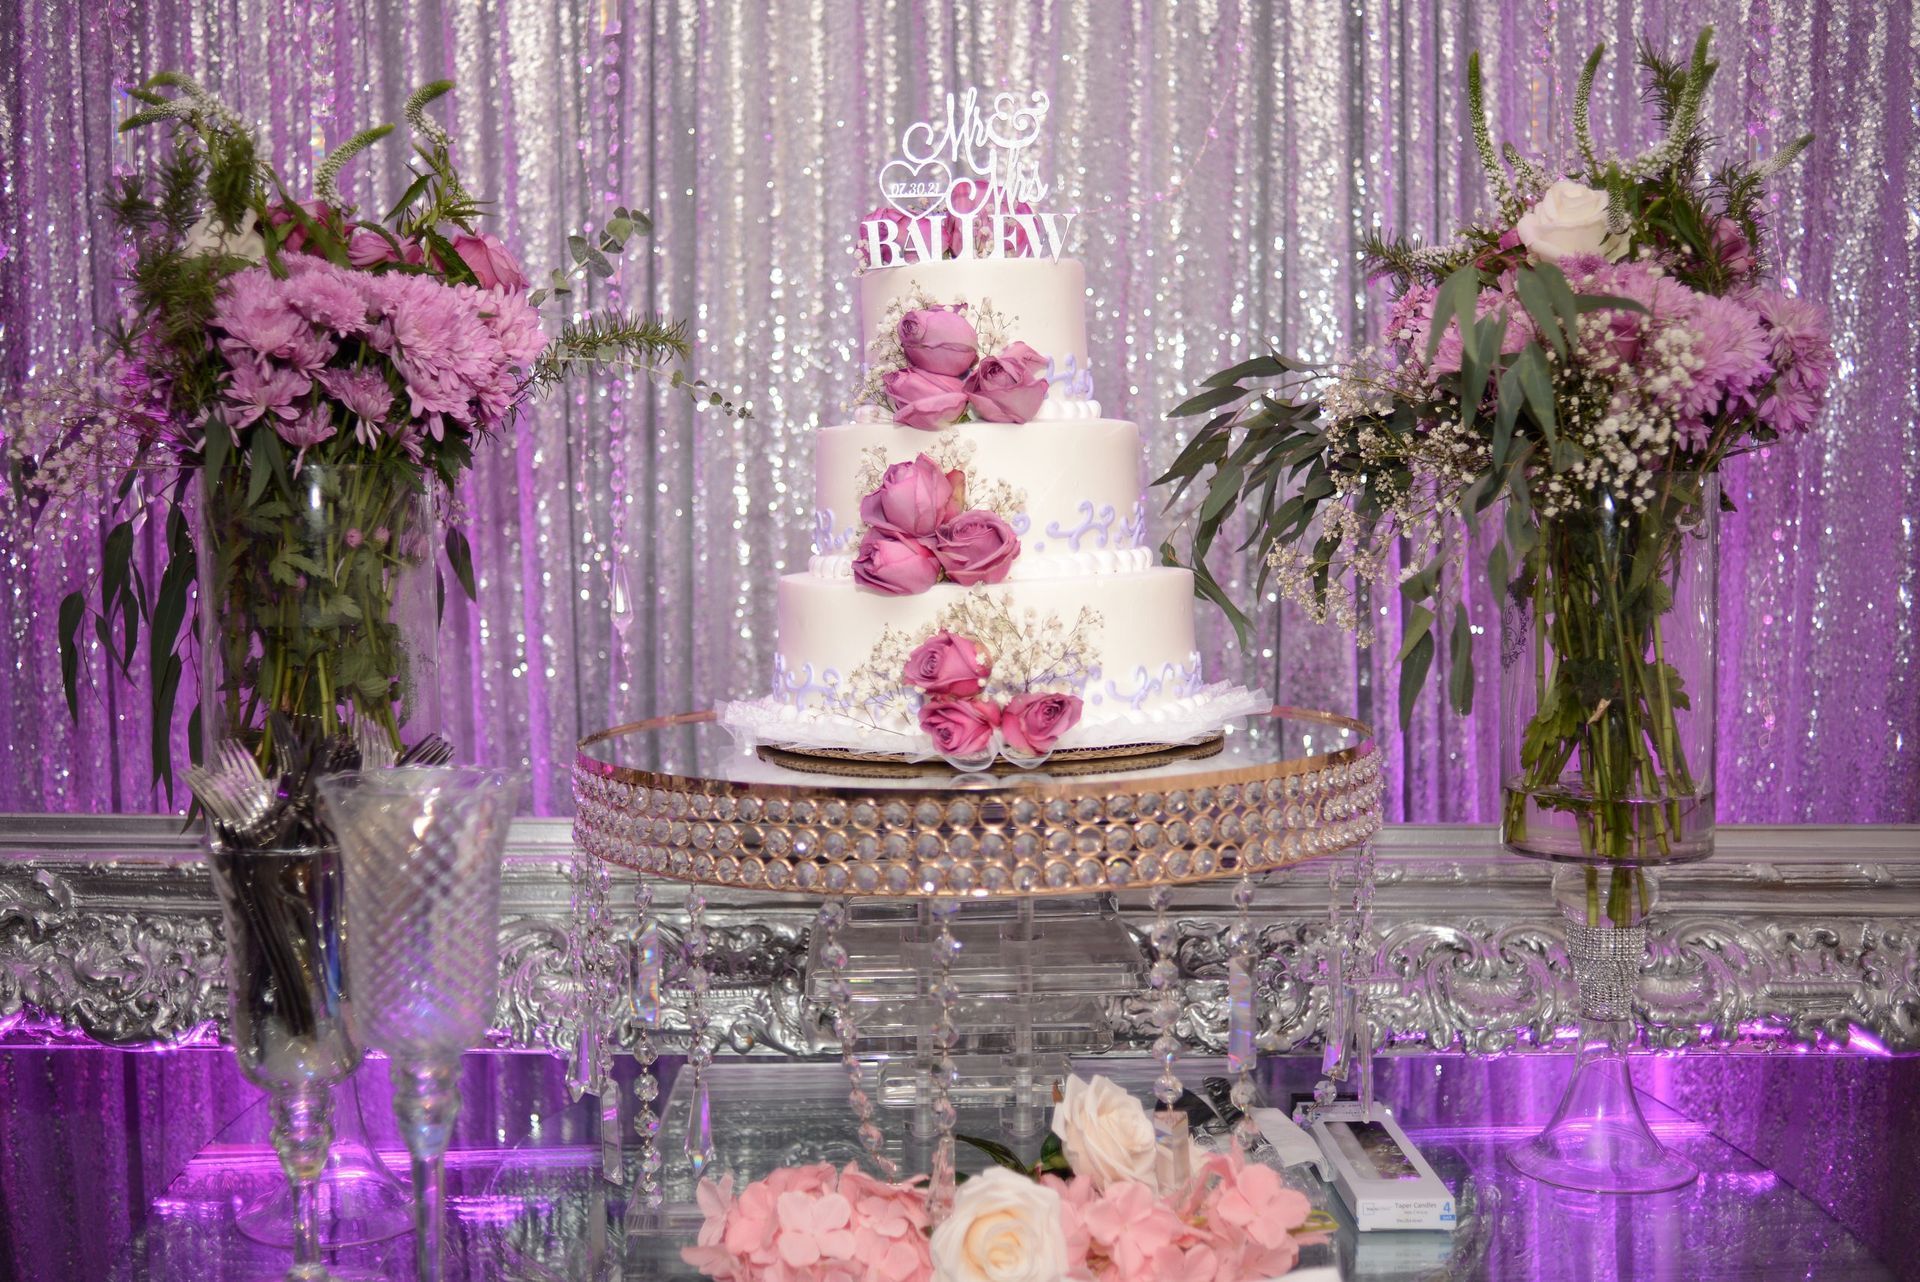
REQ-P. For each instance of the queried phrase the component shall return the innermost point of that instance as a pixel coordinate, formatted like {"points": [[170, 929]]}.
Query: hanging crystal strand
{"points": [[1242, 1010], [580, 1003], [833, 955], [1359, 971], [699, 1139], [1334, 1060], [646, 1011], [604, 971], [1164, 981], [945, 1035]]}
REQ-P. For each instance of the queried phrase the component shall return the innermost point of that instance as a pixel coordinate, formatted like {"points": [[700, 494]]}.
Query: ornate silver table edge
{"points": [[1791, 935]]}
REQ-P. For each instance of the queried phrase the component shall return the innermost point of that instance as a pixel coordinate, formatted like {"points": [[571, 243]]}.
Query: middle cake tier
{"points": [[1070, 488]]}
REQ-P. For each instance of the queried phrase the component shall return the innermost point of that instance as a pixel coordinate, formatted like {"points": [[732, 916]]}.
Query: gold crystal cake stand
{"points": [[674, 797]]}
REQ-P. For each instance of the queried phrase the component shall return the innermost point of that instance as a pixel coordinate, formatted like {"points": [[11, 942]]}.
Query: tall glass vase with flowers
{"points": [[1577, 370], [289, 389]]}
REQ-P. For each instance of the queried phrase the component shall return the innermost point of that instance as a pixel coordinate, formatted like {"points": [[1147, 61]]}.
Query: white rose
{"points": [[1004, 1227], [1570, 219], [210, 237], [1106, 1133]]}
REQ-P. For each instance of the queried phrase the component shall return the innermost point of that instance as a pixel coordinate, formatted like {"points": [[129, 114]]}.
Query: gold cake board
{"points": [[848, 763]]}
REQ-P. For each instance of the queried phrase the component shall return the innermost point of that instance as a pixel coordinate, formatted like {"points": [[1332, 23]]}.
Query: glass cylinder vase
{"points": [[319, 601], [1607, 679]]}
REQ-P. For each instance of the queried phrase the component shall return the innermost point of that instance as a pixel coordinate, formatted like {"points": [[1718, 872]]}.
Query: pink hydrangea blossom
{"points": [[812, 1224]]}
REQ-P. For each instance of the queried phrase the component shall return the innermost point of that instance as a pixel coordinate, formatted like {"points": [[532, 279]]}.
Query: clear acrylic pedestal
{"points": [[1032, 986]]}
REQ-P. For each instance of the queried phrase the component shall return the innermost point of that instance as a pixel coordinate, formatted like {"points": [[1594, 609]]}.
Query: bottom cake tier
{"points": [[1122, 643]]}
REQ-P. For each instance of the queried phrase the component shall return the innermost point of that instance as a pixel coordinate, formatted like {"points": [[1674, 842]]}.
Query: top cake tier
{"points": [[1043, 302]]}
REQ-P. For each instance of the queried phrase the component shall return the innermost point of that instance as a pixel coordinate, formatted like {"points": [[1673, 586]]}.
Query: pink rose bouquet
{"points": [[894, 564], [917, 503], [1230, 1220], [1008, 388], [939, 340], [944, 377], [915, 498], [966, 722]]}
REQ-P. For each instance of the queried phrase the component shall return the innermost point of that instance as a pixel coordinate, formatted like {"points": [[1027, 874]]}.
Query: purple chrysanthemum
{"points": [[327, 298], [365, 395], [1802, 351], [1730, 352], [312, 426], [253, 390], [255, 315]]}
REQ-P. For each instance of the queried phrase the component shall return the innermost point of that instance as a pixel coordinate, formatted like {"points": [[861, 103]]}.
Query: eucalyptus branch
{"points": [[591, 256]]}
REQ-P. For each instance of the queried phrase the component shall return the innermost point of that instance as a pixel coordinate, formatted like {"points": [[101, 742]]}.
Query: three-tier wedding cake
{"points": [[982, 585]]}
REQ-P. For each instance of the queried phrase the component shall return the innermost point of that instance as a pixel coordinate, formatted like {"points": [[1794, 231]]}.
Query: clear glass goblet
{"points": [[282, 914], [422, 850]]}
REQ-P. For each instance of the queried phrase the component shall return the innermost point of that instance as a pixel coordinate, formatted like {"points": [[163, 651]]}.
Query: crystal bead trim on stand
{"points": [[1051, 837], [1163, 981]]}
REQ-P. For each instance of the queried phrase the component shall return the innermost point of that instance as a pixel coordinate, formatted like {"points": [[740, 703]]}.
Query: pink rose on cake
{"points": [[1033, 723], [915, 498], [948, 665], [925, 400], [939, 340], [1008, 388], [960, 727], [976, 547], [894, 564]]}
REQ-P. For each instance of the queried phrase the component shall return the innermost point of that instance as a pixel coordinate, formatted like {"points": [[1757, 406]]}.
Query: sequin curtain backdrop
{"points": [[1227, 153]]}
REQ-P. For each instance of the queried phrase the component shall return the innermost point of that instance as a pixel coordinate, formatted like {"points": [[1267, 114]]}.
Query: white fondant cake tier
{"points": [[1044, 303], [1143, 683], [1143, 644], [1080, 479]]}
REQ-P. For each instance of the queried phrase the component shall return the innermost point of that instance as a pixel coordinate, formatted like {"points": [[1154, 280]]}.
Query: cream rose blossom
{"points": [[210, 236], [1106, 1134], [1570, 219], [1004, 1227]]}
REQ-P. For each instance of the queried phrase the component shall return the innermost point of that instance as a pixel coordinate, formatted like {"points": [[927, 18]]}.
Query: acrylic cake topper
{"points": [[967, 187]]}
